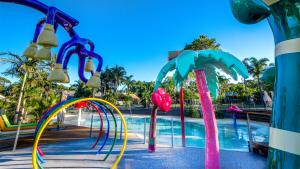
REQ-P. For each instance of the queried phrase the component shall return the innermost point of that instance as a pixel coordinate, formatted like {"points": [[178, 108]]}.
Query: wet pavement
{"points": [[78, 154]]}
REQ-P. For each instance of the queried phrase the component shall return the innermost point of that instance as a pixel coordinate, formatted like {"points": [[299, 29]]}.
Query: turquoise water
{"points": [[230, 138]]}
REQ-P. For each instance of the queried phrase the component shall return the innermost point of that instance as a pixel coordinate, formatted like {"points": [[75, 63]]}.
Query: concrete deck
{"points": [[188, 158], [77, 154]]}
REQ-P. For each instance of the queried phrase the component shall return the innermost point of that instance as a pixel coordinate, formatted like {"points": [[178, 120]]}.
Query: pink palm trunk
{"points": [[212, 160], [152, 131]]}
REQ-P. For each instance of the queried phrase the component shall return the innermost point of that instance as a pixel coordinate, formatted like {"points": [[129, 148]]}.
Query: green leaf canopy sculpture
{"points": [[205, 64], [269, 75]]}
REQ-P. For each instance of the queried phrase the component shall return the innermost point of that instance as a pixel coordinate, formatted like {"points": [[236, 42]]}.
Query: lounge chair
{"points": [[7, 123], [6, 126]]}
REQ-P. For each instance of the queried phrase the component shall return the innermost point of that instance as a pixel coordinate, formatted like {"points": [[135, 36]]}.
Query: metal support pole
{"points": [[79, 117], [121, 130], [181, 100], [145, 123], [172, 132], [249, 133], [91, 128], [17, 135]]}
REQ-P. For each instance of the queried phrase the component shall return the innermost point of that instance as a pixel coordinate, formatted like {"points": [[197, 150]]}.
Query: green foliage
{"points": [[38, 93], [81, 90], [219, 114], [3, 82], [168, 85], [203, 42], [116, 84], [143, 90], [255, 66], [191, 111], [37, 106], [113, 78], [111, 97]]}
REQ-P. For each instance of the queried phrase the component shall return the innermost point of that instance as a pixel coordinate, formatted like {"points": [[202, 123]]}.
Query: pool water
{"points": [[230, 138]]}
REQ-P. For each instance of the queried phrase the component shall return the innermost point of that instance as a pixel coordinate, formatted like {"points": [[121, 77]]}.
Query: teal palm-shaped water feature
{"points": [[268, 75], [205, 64], [284, 19]]}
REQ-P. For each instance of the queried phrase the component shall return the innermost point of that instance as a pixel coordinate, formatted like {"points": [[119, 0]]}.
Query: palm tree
{"points": [[146, 91], [20, 67], [202, 43], [4, 81], [106, 80], [256, 67], [128, 83], [223, 84], [143, 90], [81, 90], [118, 74], [204, 63], [112, 78]]}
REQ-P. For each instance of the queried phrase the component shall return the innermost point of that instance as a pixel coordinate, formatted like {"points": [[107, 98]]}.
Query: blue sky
{"points": [[137, 34]]}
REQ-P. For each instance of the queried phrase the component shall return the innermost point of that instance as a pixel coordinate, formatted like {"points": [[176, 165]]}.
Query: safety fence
{"points": [[169, 131]]}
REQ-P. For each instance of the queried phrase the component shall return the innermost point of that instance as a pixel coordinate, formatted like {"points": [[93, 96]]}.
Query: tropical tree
{"points": [[106, 80], [113, 78], [169, 86], [223, 84], [203, 42], [146, 91], [256, 67], [204, 63], [118, 74], [128, 83], [143, 90], [81, 90], [4, 81], [19, 67], [32, 87]]}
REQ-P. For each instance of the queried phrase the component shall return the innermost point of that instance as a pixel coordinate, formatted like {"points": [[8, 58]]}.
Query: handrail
{"points": [[256, 113]]}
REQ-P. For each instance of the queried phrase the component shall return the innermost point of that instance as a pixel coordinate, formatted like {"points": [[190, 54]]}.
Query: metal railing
{"points": [[168, 133]]}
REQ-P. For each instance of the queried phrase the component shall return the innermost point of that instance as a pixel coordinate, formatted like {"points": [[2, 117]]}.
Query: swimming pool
{"points": [[230, 138]]}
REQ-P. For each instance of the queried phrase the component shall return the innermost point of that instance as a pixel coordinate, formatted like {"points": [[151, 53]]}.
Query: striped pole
{"points": [[284, 136], [284, 20], [284, 151]]}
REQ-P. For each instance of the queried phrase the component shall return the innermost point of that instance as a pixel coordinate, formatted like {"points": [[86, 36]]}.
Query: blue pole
{"points": [[284, 20], [234, 119]]}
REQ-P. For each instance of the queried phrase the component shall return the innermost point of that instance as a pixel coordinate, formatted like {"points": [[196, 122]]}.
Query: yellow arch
{"points": [[42, 128]]}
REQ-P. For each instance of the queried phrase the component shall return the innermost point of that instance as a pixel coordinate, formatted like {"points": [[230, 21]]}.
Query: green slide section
{"points": [[8, 125]]}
